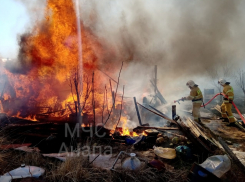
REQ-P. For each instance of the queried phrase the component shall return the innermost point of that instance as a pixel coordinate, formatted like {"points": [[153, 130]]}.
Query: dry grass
{"points": [[2, 154], [150, 174], [76, 169], [15, 158]]}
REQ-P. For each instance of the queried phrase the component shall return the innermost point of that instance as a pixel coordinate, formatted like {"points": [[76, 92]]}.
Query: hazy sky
{"points": [[13, 21]]}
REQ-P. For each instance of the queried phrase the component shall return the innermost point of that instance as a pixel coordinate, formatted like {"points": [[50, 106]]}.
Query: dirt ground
{"points": [[77, 169]]}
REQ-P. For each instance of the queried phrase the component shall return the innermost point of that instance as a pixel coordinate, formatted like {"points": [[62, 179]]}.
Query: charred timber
{"points": [[198, 141], [62, 110], [158, 94], [163, 116], [68, 105], [137, 111], [157, 128], [232, 155], [36, 124]]}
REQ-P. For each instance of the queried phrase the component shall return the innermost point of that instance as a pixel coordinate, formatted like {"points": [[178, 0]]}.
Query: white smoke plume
{"points": [[185, 38]]}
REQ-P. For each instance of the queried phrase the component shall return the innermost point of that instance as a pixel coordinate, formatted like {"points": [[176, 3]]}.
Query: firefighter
{"points": [[227, 102], [196, 98]]}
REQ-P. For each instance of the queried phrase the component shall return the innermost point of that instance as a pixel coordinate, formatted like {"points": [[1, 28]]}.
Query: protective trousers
{"points": [[226, 112], [196, 111]]}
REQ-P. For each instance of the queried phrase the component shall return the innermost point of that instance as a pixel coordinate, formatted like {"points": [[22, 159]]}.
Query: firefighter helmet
{"points": [[190, 83], [222, 81]]}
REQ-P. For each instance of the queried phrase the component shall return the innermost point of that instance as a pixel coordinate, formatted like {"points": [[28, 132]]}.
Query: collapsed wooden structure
{"points": [[52, 122]]}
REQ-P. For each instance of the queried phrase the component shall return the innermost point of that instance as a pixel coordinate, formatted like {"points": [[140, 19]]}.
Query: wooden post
{"points": [[137, 111], [155, 79], [232, 155], [113, 100], [78, 89], [112, 96], [103, 106], [173, 111]]}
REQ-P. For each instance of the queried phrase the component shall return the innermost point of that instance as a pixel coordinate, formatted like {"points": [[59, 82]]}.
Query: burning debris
{"points": [[49, 64], [70, 107]]}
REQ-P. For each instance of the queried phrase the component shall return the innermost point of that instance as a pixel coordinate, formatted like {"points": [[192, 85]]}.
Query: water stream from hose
{"points": [[80, 61]]}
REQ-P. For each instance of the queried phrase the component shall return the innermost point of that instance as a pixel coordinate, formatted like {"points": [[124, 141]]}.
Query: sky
{"points": [[14, 20]]}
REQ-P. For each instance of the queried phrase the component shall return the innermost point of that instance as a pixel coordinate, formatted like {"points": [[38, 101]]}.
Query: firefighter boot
{"points": [[231, 124], [226, 120]]}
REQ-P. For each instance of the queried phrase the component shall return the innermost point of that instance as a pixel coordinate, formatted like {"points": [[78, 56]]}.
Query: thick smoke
{"points": [[182, 37], [185, 38]]}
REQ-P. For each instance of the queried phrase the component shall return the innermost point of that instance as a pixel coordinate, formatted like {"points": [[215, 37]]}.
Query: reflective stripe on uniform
{"points": [[199, 92], [230, 97], [226, 101], [231, 90], [230, 116], [199, 101]]}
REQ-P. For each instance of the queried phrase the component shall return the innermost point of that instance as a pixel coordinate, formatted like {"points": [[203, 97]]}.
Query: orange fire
{"points": [[33, 118], [85, 125], [53, 44], [49, 58], [125, 130]]}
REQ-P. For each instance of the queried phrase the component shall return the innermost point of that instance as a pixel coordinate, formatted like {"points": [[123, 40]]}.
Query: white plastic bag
{"points": [[22, 172], [217, 164], [131, 163]]}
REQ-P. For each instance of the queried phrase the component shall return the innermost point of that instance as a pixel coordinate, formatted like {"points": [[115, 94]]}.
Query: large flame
{"points": [[49, 57], [53, 44]]}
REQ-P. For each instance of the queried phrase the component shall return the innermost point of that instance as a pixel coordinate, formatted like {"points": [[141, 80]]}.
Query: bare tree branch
{"points": [[215, 73], [87, 93], [113, 105], [240, 80], [120, 111], [103, 106]]}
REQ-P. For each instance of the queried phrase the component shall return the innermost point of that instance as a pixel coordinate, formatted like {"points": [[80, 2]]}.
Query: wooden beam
{"points": [[137, 111], [157, 128], [163, 116]]}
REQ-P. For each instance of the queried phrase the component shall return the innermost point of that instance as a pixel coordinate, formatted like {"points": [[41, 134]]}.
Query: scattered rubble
{"points": [[161, 148], [22, 172]]}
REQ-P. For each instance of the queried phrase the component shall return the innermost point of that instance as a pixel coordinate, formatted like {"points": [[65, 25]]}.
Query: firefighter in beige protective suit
{"points": [[227, 102], [196, 98]]}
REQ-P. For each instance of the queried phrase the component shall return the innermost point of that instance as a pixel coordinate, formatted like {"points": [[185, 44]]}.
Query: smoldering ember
{"points": [[122, 90]]}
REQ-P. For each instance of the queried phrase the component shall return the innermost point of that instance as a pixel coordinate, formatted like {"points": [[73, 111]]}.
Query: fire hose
{"points": [[225, 97], [232, 104]]}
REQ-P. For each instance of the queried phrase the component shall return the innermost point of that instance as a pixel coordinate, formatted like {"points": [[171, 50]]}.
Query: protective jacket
{"points": [[227, 106], [195, 95], [228, 91]]}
